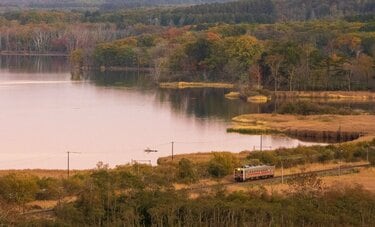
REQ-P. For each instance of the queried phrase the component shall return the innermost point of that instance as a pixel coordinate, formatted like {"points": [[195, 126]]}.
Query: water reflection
{"points": [[110, 117], [208, 102], [201, 103], [33, 64]]}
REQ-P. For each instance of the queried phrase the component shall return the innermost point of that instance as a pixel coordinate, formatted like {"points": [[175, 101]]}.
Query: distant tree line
{"points": [[99, 4], [243, 11], [121, 12], [319, 55], [274, 53]]}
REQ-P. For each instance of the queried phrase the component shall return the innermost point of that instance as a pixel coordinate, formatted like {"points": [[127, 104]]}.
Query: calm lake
{"points": [[110, 117]]}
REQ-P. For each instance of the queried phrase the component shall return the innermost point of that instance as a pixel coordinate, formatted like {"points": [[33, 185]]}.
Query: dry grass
{"points": [[365, 178], [42, 172], [315, 167], [318, 124], [183, 85], [233, 95], [199, 157], [257, 99], [343, 95], [49, 204]]}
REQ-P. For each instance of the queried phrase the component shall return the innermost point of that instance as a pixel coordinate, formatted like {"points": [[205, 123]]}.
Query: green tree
{"points": [[18, 188], [186, 171], [222, 164]]}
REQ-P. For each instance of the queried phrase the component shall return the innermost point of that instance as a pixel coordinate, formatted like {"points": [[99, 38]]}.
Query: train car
{"points": [[249, 172]]}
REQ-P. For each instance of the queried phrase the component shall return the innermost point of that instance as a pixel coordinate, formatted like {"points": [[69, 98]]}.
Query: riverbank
{"points": [[312, 127], [183, 85], [340, 95]]}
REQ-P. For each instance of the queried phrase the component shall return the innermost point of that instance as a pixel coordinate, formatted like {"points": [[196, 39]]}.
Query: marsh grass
{"points": [[183, 85]]}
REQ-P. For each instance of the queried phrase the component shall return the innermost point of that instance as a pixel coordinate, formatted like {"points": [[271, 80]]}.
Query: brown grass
{"points": [[43, 172], [233, 95], [313, 125], [315, 167], [257, 99], [183, 85], [343, 95], [49, 204], [365, 178], [198, 157]]}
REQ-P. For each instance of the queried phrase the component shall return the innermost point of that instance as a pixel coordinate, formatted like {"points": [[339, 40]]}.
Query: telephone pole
{"points": [[282, 172], [68, 161], [172, 149]]}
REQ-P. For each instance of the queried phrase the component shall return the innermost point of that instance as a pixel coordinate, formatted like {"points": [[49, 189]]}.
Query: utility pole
{"points": [[69, 152], [282, 172], [172, 149], [261, 142]]}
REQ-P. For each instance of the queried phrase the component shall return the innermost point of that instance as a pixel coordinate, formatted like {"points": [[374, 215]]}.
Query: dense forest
{"points": [[288, 49], [318, 55]]}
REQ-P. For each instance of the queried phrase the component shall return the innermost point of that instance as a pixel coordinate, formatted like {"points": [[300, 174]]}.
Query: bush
{"points": [[222, 164], [17, 188], [186, 171], [50, 188]]}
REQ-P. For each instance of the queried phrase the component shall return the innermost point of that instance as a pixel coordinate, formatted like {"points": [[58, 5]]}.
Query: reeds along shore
{"points": [[183, 85], [355, 95], [326, 128], [324, 136]]}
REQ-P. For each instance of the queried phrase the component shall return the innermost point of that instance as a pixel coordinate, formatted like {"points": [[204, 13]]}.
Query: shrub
{"points": [[186, 171], [222, 164], [50, 188], [17, 188]]}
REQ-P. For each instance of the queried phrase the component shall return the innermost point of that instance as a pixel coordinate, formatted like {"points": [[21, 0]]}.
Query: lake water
{"points": [[111, 117]]}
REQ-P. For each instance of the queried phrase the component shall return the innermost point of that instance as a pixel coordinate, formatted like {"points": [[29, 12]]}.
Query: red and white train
{"points": [[249, 172]]}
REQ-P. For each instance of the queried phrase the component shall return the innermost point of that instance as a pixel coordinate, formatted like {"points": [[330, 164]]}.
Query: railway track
{"points": [[340, 170]]}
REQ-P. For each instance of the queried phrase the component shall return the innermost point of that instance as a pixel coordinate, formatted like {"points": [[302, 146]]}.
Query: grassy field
{"points": [[312, 126], [200, 157], [43, 172]]}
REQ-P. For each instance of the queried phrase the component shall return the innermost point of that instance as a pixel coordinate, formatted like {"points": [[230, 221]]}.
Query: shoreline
{"points": [[183, 85], [326, 95], [342, 128]]}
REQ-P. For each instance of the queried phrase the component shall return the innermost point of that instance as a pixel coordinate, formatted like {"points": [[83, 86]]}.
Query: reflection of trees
{"points": [[32, 64], [127, 79], [201, 103], [204, 103]]}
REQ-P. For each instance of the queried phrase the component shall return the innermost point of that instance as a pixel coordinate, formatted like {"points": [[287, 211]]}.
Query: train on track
{"points": [[249, 172]]}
